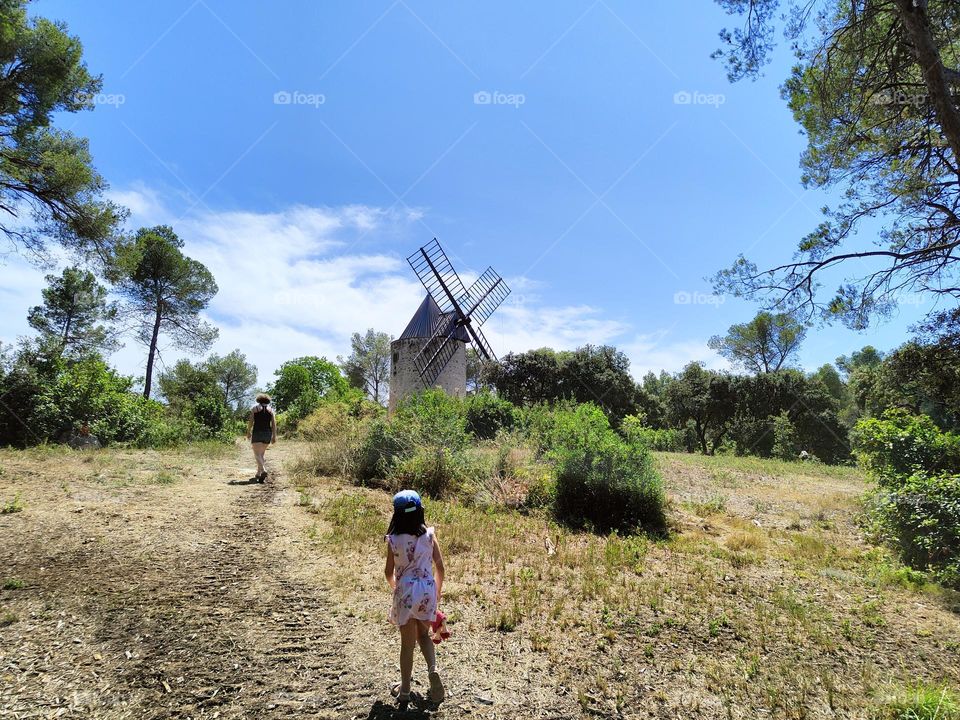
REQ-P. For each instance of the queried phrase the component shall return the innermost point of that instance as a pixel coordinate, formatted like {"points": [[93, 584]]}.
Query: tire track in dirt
{"points": [[233, 636], [183, 604]]}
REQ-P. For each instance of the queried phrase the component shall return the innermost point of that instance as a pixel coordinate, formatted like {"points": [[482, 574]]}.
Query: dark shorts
{"points": [[264, 436]]}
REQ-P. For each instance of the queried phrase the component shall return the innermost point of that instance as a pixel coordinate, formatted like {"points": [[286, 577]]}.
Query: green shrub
{"points": [[551, 428], [378, 451], [438, 471], [899, 445], [432, 418], [916, 508], [541, 489], [786, 445], [663, 440], [602, 482], [12, 506], [487, 414], [921, 518], [609, 486], [337, 431]]}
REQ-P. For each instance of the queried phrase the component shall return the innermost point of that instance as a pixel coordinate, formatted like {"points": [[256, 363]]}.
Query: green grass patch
{"points": [[12, 584], [12, 506], [164, 478], [721, 467], [922, 702]]}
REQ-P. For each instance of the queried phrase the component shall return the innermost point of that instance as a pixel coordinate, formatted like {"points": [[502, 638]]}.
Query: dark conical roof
{"points": [[424, 321]]}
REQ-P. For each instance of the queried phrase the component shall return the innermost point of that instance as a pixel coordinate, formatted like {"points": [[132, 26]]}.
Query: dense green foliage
{"points": [[49, 189], [303, 383], [602, 482], [488, 414], [916, 507], [368, 365], [595, 374], [661, 439], [50, 399], [765, 344], [194, 395], [73, 312], [567, 457]]}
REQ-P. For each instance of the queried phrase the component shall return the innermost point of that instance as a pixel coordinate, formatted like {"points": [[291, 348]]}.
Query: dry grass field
{"points": [[142, 584]]}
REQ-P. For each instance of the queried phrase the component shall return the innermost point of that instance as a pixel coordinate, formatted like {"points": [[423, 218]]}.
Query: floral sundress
{"points": [[415, 596]]}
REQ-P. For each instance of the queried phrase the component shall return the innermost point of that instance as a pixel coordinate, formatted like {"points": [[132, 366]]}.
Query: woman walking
{"points": [[262, 432]]}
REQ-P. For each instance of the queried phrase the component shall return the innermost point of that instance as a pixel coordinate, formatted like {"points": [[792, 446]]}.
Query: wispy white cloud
{"points": [[653, 352], [300, 280]]}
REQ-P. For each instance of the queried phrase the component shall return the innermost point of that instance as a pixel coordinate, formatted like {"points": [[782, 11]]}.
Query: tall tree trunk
{"points": [[913, 14], [702, 437], [153, 349], [66, 334]]}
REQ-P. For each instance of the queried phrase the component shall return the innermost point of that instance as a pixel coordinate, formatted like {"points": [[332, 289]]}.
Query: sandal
{"points": [[436, 688], [402, 698]]}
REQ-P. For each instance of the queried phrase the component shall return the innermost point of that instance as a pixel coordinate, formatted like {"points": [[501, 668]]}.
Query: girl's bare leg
{"points": [[408, 641], [427, 647]]}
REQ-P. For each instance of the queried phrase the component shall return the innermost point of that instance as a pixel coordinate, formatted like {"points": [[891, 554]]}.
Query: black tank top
{"points": [[261, 419]]}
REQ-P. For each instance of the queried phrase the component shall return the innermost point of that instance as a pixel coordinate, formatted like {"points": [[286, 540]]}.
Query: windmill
{"points": [[431, 351]]}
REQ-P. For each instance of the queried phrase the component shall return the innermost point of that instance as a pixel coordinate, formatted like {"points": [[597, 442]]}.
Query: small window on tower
{"points": [[396, 358]]}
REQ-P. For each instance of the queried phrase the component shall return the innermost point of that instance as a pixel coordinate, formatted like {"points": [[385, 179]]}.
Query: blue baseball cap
{"points": [[407, 500]]}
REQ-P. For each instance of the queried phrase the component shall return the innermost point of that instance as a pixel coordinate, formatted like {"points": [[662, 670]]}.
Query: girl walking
{"points": [[262, 431], [412, 553]]}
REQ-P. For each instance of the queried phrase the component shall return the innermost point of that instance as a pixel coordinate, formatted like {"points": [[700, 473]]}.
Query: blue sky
{"points": [[591, 152]]}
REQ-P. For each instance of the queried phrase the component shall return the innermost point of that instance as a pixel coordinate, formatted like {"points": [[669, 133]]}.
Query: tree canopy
{"points": [[165, 291], [765, 344], [235, 377], [593, 373], [368, 365], [302, 382], [879, 101], [49, 188], [71, 316]]}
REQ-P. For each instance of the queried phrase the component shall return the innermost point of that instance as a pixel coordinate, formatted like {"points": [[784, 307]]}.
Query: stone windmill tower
{"points": [[432, 350]]}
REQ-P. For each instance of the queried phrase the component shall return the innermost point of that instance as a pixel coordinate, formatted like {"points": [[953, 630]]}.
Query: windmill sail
{"points": [[433, 267], [480, 341], [437, 351], [484, 296]]}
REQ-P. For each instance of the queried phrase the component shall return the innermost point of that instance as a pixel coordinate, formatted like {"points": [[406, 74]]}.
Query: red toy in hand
{"points": [[439, 627]]}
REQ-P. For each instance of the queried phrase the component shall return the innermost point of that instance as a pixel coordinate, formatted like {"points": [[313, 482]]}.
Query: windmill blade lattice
{"points": [[438, 350], [482, 346], [433, 267], [485, 296]]}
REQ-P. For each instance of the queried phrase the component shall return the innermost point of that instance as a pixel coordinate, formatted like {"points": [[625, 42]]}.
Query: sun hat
{"points": [[407, 501]]}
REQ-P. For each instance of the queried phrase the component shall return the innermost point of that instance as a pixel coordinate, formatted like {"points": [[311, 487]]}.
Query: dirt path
{"points": [[166, 592]]}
